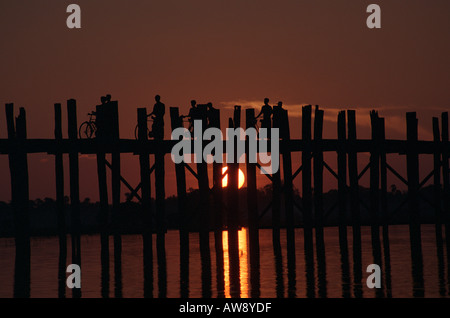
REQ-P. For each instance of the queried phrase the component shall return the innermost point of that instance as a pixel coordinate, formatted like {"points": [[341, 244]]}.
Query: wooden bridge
{"points": [[214, 215]]}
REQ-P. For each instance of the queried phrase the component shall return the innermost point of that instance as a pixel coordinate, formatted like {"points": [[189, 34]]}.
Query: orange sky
{"points": [[226, 52]]}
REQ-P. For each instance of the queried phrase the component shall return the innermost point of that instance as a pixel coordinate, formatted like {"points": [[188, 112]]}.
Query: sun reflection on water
{"points": [[243, 263]]}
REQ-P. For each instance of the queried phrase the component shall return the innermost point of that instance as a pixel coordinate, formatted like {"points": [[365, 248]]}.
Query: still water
{"points": [[276, 278]]}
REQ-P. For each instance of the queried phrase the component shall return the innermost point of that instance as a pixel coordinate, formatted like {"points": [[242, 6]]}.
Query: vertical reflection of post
{"points": [[20, 195], [206, 275], [105, 277], [22, 268], [384, 211], [342, 204], [345, 269], [252, 205], [354, 203], [147, 231], [162, 275], [412, 167], [62, 269], [59, 181], [276, 202], [255, 278], [218, 234], [318, 203], [147, 241], [117, 266], [233, 254], [307, 201], [220, 276], [279, 281], [160, 235]]}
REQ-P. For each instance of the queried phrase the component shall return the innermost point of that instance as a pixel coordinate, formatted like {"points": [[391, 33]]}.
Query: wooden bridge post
{"points": [[252, 205], [384, 208], [10, 125], [276, 215], [438, 204], [318, 201], [217, 194], [281, 121], [342, 181], [101, 136], [203, 206], [113, 110], [233, 180], [342, 202], [233, 212], [289, 207], [59, 173], [180, 173], [354, 202], [160, 195], [276, 207], [18, 164], [74, 186], [446, 184], [60, 211], [147, 231], [22, 225], [307, 200], [288, 184], [412, 166], [437, 180], [374, 189]]}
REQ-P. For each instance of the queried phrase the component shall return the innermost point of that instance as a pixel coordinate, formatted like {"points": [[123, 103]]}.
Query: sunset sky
{"points": [[226, 52]]}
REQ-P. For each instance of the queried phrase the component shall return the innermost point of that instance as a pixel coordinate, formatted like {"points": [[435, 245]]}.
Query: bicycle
{"points": [[136, 130], [88, 128]]}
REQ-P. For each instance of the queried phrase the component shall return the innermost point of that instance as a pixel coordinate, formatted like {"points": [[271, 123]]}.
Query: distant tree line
{"points": [[43, 212]]}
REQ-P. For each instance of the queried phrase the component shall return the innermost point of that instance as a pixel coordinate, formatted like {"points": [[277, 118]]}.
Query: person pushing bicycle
{"points": [[192, 115], [159, 109]]}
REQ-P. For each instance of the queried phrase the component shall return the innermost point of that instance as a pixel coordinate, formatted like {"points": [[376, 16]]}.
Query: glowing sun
{"points": [[225, 178]]}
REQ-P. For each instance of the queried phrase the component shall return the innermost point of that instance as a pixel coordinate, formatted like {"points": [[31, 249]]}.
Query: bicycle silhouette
{"points": [[136, 130], [149, 119], [88, 128]]}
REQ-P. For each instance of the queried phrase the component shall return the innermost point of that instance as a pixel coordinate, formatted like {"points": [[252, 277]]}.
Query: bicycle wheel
{"points": [[136, 132], [87, 130], [93, 131]]}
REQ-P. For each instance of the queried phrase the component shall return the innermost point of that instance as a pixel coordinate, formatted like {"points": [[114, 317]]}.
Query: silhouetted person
{"points": [[266, 112], [159, 109], [193, 114], [105, 99], [277, 115]]}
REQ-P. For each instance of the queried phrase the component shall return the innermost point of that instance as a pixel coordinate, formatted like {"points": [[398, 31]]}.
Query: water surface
{"points": [[276, 276]]}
